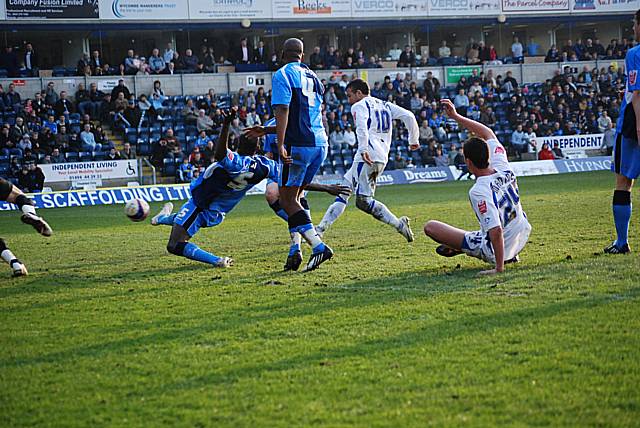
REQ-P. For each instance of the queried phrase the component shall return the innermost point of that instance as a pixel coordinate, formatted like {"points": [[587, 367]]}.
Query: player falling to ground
{"points": [[626, 151], [297, 96], [215, 193], [272, 194], [11, 194], [504, 228], [374, 119]]}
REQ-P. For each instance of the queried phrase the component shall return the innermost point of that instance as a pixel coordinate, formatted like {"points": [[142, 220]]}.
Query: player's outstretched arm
{"points": [[410, 122], [222, 144], [332, 189], [259, 131], [477, 128], [635, 101], [497, 242]]}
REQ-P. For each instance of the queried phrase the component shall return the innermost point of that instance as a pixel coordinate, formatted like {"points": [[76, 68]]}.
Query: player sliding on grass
{"points": [[373, 119], [215, 193], [13, 195], [626, 152], [504, 228], [272, 194]]}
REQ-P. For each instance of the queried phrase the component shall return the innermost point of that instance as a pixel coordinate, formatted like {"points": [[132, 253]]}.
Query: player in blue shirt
{"points": [[297, 96], [272, 194], [215, 193], [626, 152]]}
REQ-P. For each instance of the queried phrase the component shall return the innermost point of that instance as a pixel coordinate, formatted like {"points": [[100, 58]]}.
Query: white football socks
{"points": [[8, 256], [380, 212], [29, 209], [334, 211]]}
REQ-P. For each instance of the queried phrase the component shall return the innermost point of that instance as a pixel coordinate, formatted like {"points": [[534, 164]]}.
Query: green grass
{"points": [[110, 330]]}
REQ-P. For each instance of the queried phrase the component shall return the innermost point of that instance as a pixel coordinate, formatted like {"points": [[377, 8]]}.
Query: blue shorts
{"points": [[306, 163], [192, 218], [626, 157]]}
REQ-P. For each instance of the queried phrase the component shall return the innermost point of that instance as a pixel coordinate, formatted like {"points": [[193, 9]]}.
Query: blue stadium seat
{"points": [[85, 156], [168, 167], [72, 157], [144, 149]]}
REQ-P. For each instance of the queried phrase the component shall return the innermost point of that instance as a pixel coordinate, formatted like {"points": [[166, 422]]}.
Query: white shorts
{"points": [[477, 244], [361, 178]]}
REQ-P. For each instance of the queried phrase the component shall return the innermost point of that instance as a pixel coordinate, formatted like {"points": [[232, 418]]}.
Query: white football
{"points": [[136, 209]]}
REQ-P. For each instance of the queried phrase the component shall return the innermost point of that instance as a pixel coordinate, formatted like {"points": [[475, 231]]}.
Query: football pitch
{"points": [[111, 330]]}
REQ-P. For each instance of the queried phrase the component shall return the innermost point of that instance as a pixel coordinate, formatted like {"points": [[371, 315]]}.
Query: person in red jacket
{"points": [[546, 153]]}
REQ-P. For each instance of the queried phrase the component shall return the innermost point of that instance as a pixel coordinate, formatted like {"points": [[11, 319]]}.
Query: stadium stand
{"points": [[166, 128]]}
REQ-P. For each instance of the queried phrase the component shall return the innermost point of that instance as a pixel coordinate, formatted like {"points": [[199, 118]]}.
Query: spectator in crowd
{"points": [[113, 154], [167, 55], [50, 95], [407, 58], [12, 98], [190, 61], [243, 54], [190, 113], [128, 152], [260, 54], [557, 151], [184, 173], [533, 48], [88, 140], [30, 59], [120, 88], [204, 122], [440, 159], [156, 62], [316, 61], [510, 83], [18, 130], [31, 178], [9, 61], [394, 52], [552, 54], [431, 87], [517, 51], [56, 156], [604, 122], [518, 142], [96, 63], [461, 101], [444, 51], [546, 153]]}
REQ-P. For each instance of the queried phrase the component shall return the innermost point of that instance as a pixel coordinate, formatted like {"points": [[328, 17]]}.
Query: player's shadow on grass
{"points": [[305, 305]]}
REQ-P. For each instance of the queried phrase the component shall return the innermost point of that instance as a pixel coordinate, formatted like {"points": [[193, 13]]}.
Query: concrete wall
{"points": [[222, 83]]}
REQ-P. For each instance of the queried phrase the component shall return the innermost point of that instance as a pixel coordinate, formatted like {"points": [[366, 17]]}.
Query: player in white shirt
{"points": [[504, 228], [373, 119]]}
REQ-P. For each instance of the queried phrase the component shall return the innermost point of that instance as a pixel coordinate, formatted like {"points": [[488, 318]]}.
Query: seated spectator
{"points": [[394, 52], [431, 87], [557, 151], [336, 138], [452, 154], [316, 61], [444, 51], [190, 113], [461, 101], [31, 178], [88, 140], [407, 58], [5, 137], [198, 161], [128, 152], [202, 140], [18, 130], [510, 83], [349, 136], [173, 145], [331, 99], [113, 154], [12, 99], [488, 117], [184, 173], [204, 122], [190, 61], [546, 153], [552, 54], [25, 143], [56, 156], [131, 64], [159, 151], [425, 133], [156, 62], [64, 106], [441, 159], [253, 118]]}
